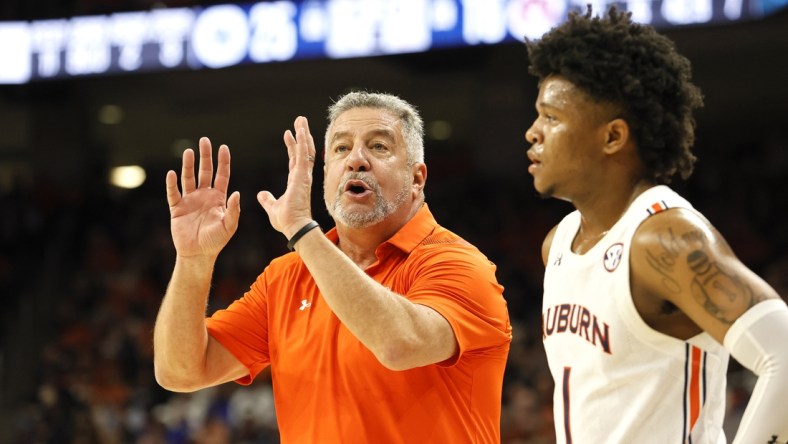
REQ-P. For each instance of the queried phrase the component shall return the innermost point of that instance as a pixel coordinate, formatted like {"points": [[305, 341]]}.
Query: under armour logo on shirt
{"points": [[558, 259], [304, 305]]}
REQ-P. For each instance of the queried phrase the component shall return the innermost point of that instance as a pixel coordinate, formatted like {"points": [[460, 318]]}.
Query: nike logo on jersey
{"points": [[578, 320], [304, 305]]}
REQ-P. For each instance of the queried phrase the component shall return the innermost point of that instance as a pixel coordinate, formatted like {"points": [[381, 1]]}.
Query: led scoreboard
{"points": [[277, 31]]}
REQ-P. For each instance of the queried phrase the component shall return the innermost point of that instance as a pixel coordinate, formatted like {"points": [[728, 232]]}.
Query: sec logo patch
{"points": [[613, 256]]}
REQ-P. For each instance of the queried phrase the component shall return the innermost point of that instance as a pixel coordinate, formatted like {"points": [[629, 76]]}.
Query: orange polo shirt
{"points": [[328, 388]]}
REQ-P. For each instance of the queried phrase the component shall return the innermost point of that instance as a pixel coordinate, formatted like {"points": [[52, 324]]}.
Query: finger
{"points": [[206, 164], [173, 195], [266, 200], [222, 180], [187, 172], [233, 212], [304, 155], [309, 140], [290, 143]]}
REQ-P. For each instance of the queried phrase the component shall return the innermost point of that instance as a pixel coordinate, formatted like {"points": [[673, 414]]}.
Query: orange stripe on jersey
{"points": [[694, 389], [656, 207]]}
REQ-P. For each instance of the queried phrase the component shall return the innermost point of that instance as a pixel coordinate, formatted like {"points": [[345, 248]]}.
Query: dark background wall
{"points": [[83, 265]]}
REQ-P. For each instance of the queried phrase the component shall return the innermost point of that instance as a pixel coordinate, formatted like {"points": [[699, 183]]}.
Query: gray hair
{"points": [[412, 125]]}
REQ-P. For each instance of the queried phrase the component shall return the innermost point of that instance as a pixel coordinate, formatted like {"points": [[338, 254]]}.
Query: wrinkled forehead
{"points": [[364, 122]]}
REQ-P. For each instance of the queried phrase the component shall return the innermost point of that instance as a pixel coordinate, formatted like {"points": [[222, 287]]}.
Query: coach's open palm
{"points": [[293, 209], [202, 219]]}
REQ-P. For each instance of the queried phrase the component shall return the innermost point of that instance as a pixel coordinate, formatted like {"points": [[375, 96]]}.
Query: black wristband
{"points": [[300, 233]]}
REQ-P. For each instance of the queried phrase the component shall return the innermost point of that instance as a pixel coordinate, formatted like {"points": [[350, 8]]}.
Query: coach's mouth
{"points": [[357, 188]]}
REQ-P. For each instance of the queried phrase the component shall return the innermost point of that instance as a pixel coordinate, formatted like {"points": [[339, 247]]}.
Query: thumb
{"points": [[267, 200], [233, 210]]}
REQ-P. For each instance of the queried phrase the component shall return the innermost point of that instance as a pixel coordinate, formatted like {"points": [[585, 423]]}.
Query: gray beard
{"points": [[366, 218]]}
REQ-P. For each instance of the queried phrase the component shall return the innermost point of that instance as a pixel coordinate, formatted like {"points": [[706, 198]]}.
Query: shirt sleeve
{"points": [[242, 328], [757, 341], [458, 282]]}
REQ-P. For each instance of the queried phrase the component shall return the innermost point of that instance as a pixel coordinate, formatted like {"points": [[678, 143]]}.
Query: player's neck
{"points": [[601, 210]]}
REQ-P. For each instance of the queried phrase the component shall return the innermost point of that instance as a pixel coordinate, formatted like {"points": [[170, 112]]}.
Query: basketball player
{"points": [[644, 300]]}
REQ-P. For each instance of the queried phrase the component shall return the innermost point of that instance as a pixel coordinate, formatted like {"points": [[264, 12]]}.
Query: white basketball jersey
{"points": [[616, 379]]}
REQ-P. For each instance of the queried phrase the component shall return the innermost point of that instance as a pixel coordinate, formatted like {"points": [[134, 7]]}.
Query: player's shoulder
{"points": [[547, 243], [668, 245], [673, 225]]}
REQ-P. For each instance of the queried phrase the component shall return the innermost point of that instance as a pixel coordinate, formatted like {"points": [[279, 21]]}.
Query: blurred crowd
{"points": [[95, 263]]}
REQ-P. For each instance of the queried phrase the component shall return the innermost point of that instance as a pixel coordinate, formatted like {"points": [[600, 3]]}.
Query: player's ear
{"points": [[616, 135]]}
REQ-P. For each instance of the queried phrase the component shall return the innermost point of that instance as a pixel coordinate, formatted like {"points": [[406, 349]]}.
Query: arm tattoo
{"points": [[723, 294], [664, 261], [663, 265]]}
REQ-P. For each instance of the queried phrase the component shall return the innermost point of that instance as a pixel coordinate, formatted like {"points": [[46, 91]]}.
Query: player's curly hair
{"points": [[634, 68]]}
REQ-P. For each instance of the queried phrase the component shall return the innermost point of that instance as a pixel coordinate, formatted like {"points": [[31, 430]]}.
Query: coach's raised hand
{"points": [[293, 209], [202, 218], [202, 221]]}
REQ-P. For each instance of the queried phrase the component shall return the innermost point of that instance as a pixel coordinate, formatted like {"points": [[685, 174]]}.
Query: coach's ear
{"points": [[616, 136], [419, 178]]}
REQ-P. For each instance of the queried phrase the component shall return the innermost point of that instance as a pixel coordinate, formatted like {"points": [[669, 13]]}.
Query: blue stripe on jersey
{"points": [[686, 384], [567, 429], [703, 372]]}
